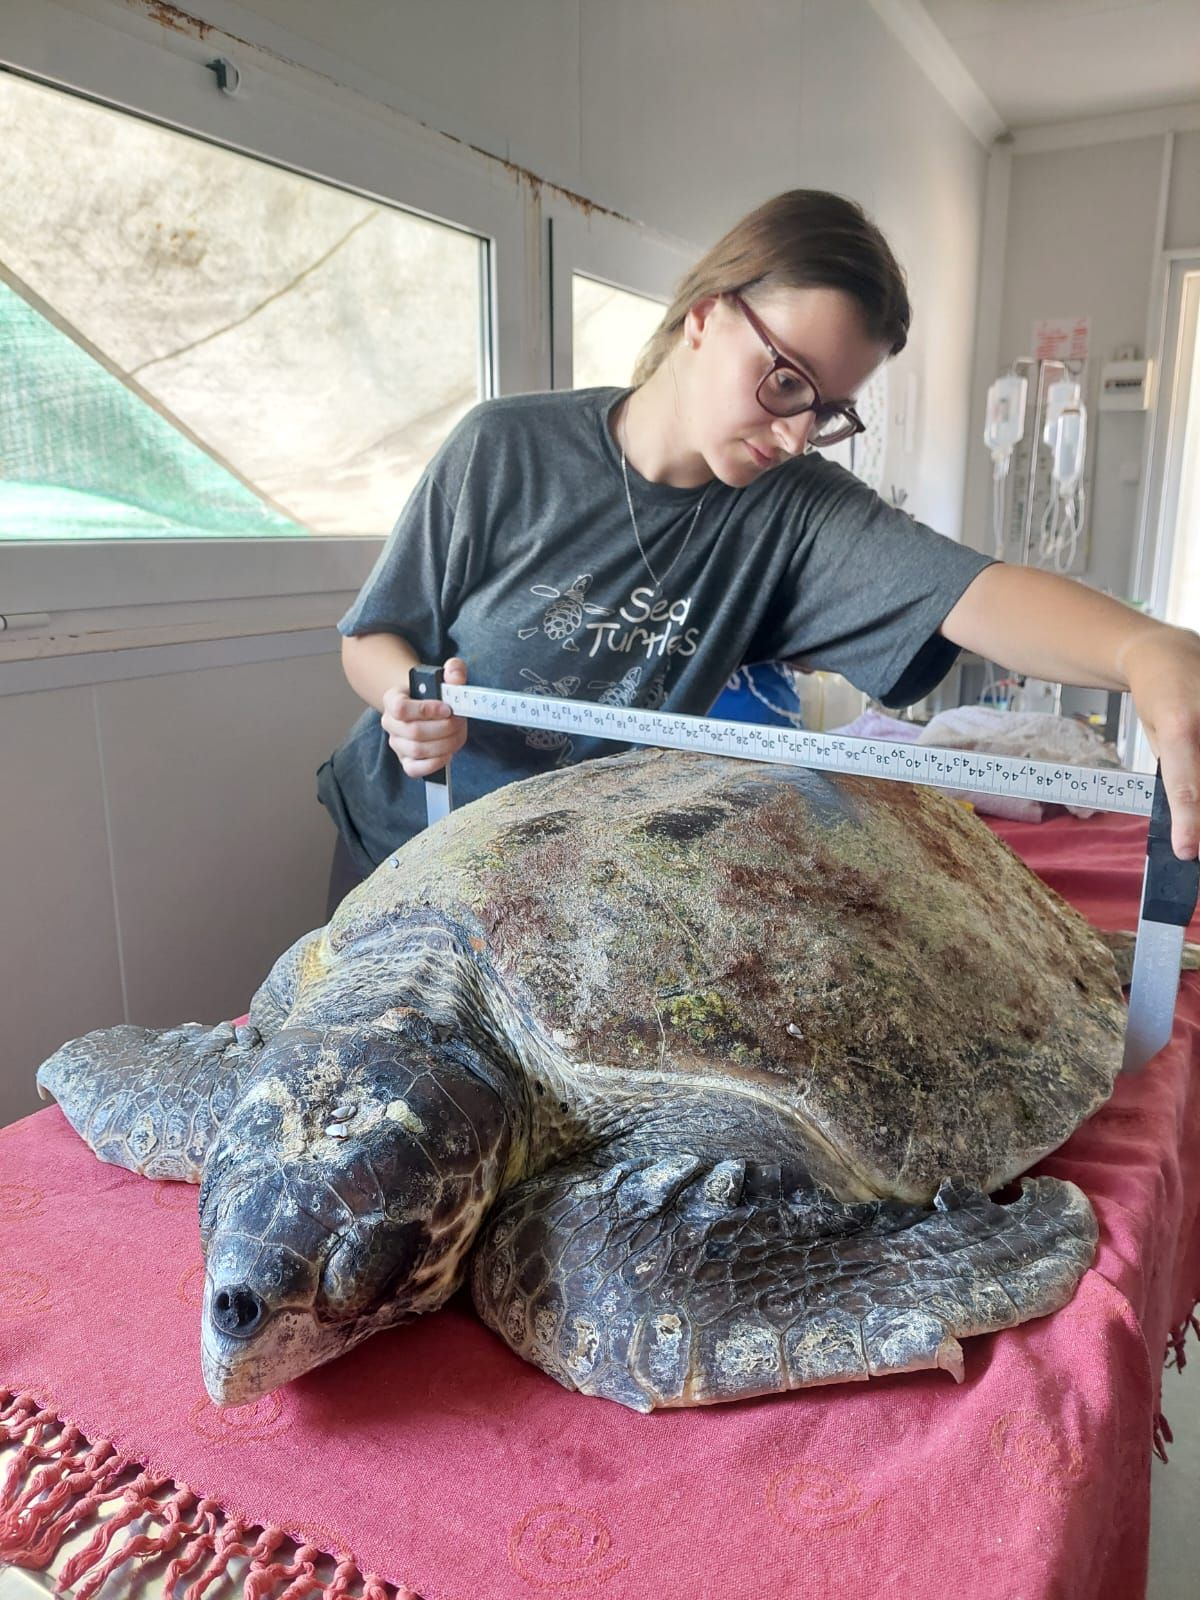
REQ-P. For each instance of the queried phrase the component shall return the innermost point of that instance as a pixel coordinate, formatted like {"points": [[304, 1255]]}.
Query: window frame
{"points": [[609, 250], [296, 120]]}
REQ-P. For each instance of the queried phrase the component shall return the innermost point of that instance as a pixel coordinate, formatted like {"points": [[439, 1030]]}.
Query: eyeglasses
{"points": [[786, 391]]}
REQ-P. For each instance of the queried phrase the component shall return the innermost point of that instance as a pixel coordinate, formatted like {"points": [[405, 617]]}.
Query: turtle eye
{"points": [[371, 1262], [223, 1188]]}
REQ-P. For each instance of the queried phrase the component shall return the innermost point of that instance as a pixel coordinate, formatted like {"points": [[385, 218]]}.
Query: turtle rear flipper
{"points": [[675, 1282], [1123, 942], [153, 1099]]}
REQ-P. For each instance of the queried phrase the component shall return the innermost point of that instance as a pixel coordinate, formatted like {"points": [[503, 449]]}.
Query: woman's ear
{"points": [[697, 319]]}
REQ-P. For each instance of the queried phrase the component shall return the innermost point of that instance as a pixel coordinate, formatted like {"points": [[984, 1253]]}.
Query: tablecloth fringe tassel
{"points": [[1177, 1338], [57, 1479], [1162, 1435], [1177, 1358]]}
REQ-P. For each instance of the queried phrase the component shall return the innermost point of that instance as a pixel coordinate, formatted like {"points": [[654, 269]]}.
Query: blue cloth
{"points": [[761, 693]]}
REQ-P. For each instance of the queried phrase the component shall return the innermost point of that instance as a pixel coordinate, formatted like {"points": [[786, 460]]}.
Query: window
{"points": [[330, 436], [198, 343], [609, 327]]}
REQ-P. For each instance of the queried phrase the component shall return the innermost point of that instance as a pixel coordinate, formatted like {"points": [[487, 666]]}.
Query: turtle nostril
{"points": [[237, 1311]]}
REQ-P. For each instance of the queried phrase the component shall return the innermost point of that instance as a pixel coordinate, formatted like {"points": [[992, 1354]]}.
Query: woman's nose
{"points": [[791, 433]]}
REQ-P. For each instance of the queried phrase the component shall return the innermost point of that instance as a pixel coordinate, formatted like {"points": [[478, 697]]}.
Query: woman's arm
{"points": [[424, 734], [376, 662], [1051, 627]]}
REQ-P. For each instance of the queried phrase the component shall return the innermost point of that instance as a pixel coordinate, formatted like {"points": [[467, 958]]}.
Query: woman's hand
{"points": [[1162, 669], [424, 733]]}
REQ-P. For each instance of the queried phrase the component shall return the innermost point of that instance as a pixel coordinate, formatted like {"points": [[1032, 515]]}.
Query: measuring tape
{"points": [[1097, 788]]}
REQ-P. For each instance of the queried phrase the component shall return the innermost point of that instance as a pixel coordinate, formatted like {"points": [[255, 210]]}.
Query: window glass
{"points": [[194, 342], [608, 329]]}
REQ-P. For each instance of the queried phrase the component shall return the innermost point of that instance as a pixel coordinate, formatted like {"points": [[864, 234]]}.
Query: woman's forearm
{"points": [[376, 662], [1049, 627]]}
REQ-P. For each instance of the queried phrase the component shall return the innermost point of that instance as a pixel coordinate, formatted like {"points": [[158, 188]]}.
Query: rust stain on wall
{"points": [[179, 21], [175, 19]]}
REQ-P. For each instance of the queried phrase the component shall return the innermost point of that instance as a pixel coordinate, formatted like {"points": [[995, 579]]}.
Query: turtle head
{"points": [[342, 1195]]}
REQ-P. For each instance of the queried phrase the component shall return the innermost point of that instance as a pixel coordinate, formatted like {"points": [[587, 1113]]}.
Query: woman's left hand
{"points": [[1162, 668]]}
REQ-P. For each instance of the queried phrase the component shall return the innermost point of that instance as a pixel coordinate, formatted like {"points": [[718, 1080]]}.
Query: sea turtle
{"points": [[703, 1070]]}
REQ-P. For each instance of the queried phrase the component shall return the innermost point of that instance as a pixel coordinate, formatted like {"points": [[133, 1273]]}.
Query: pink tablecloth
{"points": [[444, 1464]]}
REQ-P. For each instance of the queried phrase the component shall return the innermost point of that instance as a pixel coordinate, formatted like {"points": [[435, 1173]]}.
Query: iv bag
{"points": [[1005, 421], [1069, 445]]}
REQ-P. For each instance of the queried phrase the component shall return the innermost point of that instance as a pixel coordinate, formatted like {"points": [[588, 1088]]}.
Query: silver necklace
{"points": [[658, 582]]}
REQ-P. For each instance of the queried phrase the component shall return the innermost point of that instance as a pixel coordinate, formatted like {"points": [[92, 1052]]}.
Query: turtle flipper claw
{"points": [[151, 1100]]}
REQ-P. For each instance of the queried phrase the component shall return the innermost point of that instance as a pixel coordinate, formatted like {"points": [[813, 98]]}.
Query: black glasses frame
{"points": [[822, 410]]}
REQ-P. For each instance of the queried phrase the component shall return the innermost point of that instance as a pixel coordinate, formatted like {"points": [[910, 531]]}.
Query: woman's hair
{"points": [[804, 239]]}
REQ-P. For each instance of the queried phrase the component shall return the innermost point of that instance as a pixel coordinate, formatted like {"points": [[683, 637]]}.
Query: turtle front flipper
{"points": [[677, 1282], [151, 1100]]}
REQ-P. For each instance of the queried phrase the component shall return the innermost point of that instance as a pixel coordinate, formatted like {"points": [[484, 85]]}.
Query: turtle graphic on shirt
{"points": [[564, 616], [624, 692], [551, 738], [621, 693]]}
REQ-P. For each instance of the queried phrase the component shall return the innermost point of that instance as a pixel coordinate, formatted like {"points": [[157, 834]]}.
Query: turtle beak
{"points": [[278, 1303], [258, 1330]]}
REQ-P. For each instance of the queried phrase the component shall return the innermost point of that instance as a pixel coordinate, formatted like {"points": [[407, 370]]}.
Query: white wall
{"points": [[1181, 230], [162, 843], [161, 839], [1085, 221]]}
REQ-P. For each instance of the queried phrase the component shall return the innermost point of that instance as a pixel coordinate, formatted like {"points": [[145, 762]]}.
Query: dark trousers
{"points": [[343, 876]]}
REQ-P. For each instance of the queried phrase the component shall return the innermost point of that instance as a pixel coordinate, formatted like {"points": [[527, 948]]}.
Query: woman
{"points": [[638, 545]]}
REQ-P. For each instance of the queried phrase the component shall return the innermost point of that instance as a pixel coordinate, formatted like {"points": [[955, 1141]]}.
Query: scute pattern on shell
{"points": [[864, 957]]}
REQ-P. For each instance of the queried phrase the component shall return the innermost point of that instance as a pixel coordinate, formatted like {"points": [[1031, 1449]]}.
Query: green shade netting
{"points": [[83, 457]]}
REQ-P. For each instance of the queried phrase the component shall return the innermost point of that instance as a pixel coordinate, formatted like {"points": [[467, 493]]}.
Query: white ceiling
{"points": [[1051, 60]]}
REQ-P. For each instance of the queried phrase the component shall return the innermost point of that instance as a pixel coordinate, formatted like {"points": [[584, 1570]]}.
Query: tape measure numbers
{"points": [[1099, 788]]}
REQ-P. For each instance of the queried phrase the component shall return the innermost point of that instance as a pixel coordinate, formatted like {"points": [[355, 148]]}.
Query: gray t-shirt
{"points": [[517, 552]]}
